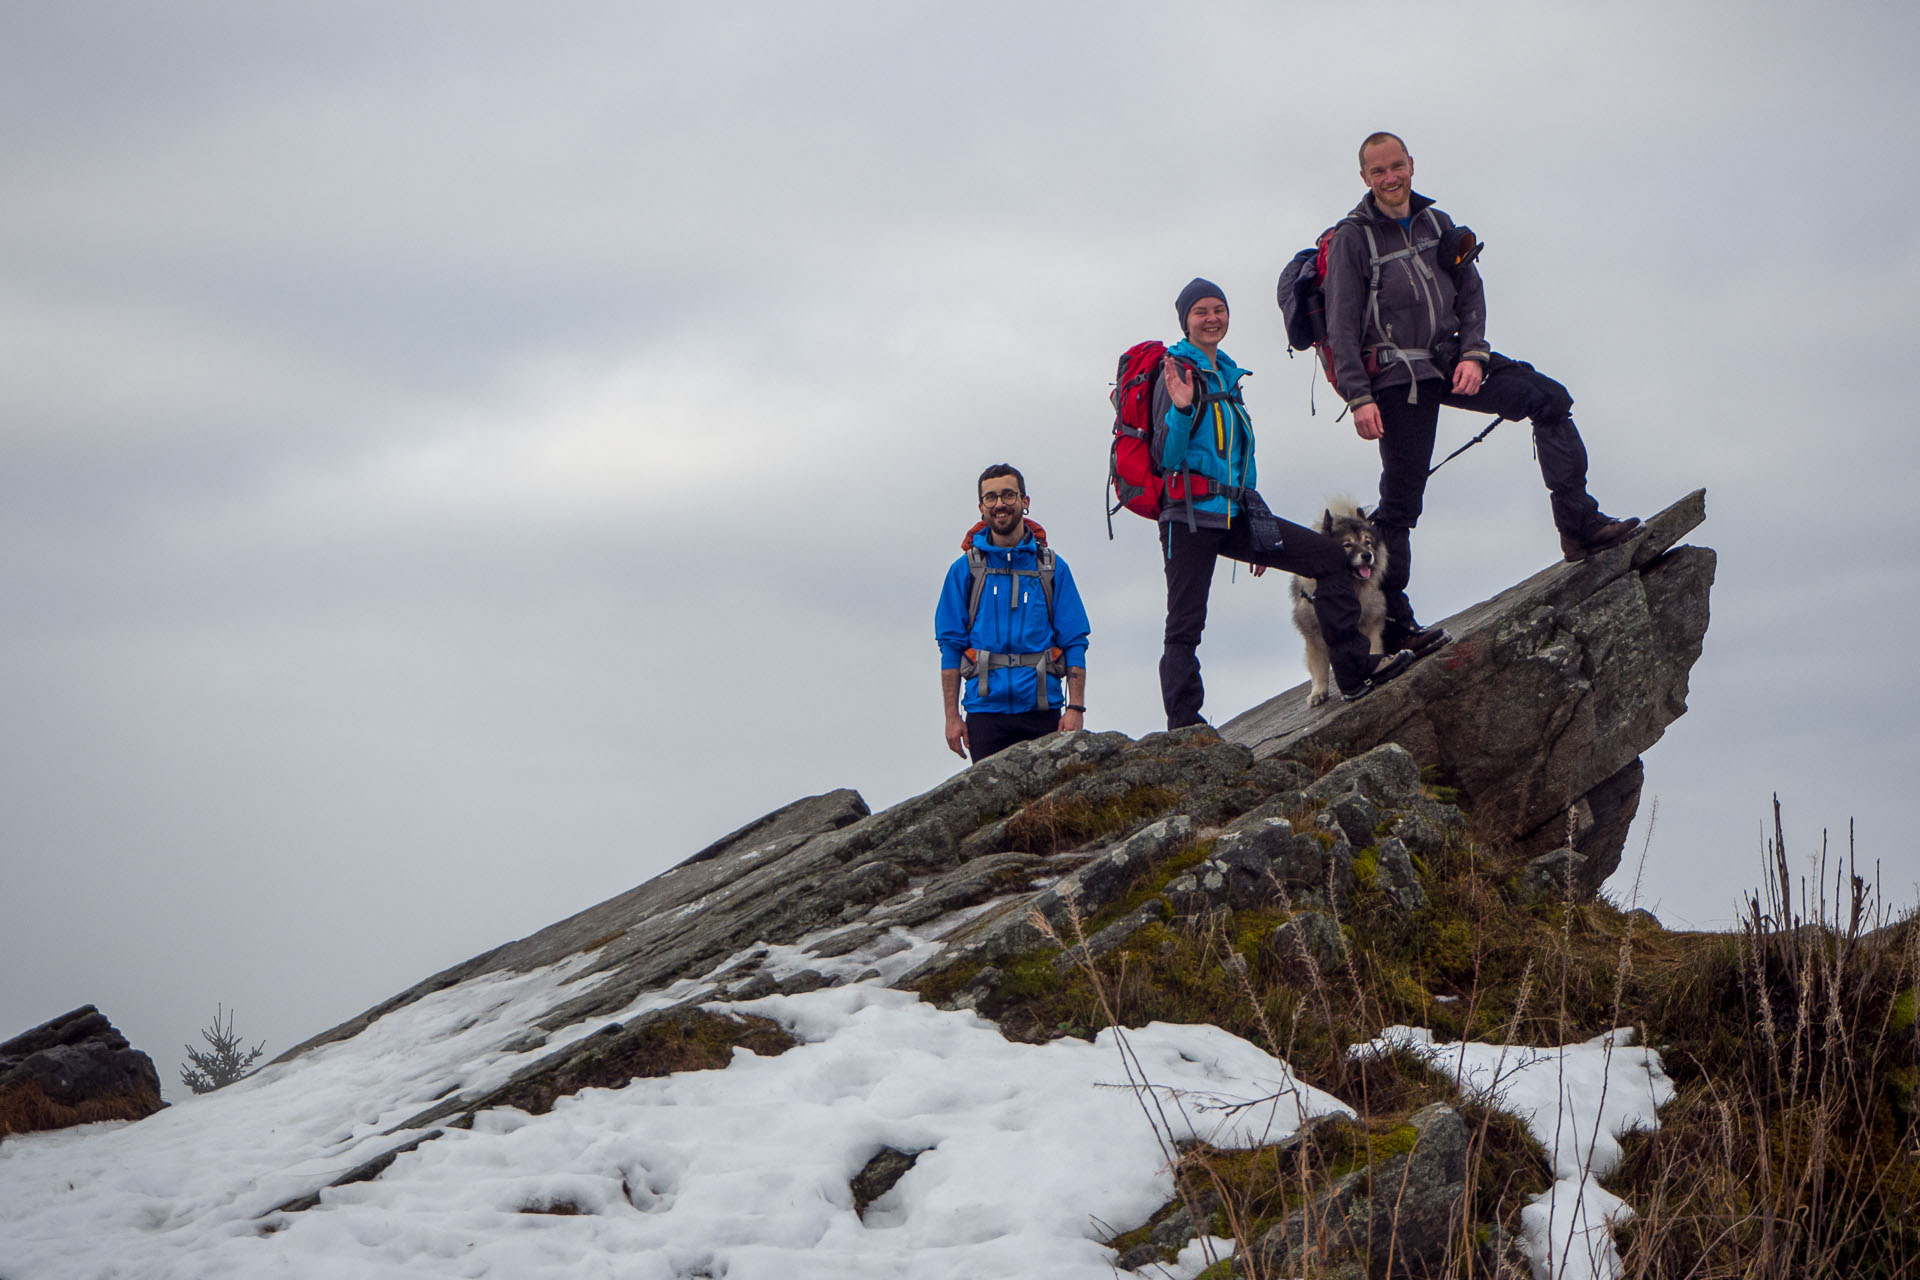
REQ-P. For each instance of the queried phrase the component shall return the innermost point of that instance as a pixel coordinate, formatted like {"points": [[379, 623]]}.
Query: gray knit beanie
{"points": [[1196, 289]]}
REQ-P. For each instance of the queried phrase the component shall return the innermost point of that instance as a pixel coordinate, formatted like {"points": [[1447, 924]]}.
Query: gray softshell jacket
{"points": [[1417, 310]]}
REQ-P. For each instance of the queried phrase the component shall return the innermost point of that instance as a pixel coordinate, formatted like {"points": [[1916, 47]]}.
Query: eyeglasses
{"points": [[1004, 498]]}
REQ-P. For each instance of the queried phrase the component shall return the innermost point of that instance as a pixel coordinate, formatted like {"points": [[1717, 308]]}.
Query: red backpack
{"points": [[1138, 483], [1303, 301]]}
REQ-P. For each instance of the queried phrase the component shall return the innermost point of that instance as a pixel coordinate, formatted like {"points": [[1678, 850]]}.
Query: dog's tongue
{"points": [[1365, 571]]}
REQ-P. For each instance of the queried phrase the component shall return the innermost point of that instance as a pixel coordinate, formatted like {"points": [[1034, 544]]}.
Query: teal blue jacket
{"points": [[1212, 438]]}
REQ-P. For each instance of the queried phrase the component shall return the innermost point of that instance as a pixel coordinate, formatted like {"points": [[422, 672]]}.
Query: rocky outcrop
{"points": [[1395, 1217], [75, 1069], [1545, 699], [1345, 843]]}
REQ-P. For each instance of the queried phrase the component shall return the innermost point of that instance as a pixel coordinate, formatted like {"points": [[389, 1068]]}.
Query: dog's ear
{"points": [[1363, 513], [1326, 521]]}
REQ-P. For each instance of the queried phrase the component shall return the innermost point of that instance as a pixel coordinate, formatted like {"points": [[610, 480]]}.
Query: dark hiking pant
{"points": [[1189, 555], [1511, 388], [991, 732]]}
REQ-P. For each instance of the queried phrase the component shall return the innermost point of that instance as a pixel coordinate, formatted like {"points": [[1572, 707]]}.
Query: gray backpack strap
{"points": [[985, 663], [977, 570], [1384, 349]]}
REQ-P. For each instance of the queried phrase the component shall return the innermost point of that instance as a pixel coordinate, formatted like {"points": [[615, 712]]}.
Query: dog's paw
{"points": [[1319, 697]]}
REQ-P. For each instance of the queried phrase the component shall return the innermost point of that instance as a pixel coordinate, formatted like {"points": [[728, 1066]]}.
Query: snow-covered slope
{"points": [[1033, 1153]]}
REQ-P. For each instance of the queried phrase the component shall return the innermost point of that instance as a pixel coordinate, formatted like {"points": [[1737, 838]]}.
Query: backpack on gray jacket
{"points": [[1302, 295]]}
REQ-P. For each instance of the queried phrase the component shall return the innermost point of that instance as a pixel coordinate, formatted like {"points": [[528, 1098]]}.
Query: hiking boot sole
{"points": [[1389, 666], [1425, 641]]}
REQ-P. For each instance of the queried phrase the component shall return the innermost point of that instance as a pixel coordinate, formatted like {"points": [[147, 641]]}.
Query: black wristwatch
{"points": [[1073, 707]]}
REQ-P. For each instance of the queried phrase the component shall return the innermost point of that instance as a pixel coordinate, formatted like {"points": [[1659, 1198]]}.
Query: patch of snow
{"points": [[1028, 1150], [1200, 1253], [742, 1172], [1578, 1102]]}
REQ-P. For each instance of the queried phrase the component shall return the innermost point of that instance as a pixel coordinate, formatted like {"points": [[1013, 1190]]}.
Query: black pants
{"points": [[991, 732], [1513, 389], [1190, 555]]}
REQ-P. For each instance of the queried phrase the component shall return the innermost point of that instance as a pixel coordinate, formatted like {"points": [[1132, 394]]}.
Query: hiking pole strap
{"points": [[1484, 433]]}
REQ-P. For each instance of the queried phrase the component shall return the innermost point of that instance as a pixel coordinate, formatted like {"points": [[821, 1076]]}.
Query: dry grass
{"points": [[1791, 1150], [1055, 823], [25, 1108]]}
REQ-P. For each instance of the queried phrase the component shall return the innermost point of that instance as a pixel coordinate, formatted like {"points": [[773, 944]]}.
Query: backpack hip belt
{"points": [[978, 665], [1385, 353]]}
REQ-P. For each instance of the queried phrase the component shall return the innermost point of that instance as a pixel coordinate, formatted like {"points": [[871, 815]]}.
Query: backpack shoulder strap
{"points": [[977, 571]]}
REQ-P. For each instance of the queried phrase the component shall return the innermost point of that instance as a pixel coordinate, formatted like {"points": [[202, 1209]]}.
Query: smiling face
{"points": [[1207, 323], [1002, 505], [1387, 170]]}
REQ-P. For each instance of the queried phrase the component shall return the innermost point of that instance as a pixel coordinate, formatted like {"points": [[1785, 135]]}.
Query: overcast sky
{"points": [[456, 459]]}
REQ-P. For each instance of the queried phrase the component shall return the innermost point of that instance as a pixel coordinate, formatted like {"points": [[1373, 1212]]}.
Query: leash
{"points": [[1484, 433]]}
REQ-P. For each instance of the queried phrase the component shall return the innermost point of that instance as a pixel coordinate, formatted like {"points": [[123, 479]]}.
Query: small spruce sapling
{"points": [[223, 1062]]}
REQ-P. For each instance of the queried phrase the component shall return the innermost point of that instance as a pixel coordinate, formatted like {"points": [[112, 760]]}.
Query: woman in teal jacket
{"points": [[1203, 432]]}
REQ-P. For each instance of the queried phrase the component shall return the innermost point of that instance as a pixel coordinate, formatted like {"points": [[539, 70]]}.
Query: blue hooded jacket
{"points": [[1219, 448], [1006, 624]]}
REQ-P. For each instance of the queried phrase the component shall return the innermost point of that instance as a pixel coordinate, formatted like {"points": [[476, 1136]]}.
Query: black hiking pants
{"points": [[1511, 388], [1189, 555], [991, 732]]}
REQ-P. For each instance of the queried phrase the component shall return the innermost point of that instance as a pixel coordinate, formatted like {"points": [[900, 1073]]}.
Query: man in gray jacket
{"points": [[1406, 326]]}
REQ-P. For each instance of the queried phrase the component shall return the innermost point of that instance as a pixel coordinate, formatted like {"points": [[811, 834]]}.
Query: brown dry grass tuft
{"points": [[25, 1108]]}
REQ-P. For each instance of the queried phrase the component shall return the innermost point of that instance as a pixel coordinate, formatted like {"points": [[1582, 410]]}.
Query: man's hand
{"points": [[1179, 384], [1072, 720], [950, 703], [1258, 569], [1366, 421], [1466, 378], [957, 735]]}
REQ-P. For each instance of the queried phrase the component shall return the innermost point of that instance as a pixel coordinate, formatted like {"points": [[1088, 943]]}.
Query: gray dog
{"points": [[1367, 558]]}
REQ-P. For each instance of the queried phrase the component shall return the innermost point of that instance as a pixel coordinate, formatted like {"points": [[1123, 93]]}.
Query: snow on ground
{"points": [[1032, 1153], [1578, 1101]]}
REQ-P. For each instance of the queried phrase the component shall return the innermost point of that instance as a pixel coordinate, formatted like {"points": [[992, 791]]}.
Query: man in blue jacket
{"points": [[1203, 441], [1010, 625]]}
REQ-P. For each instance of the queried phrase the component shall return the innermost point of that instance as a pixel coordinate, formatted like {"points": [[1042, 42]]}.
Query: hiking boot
{"points": [[1385, 667], [1610, 534], [1417, 640]]}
